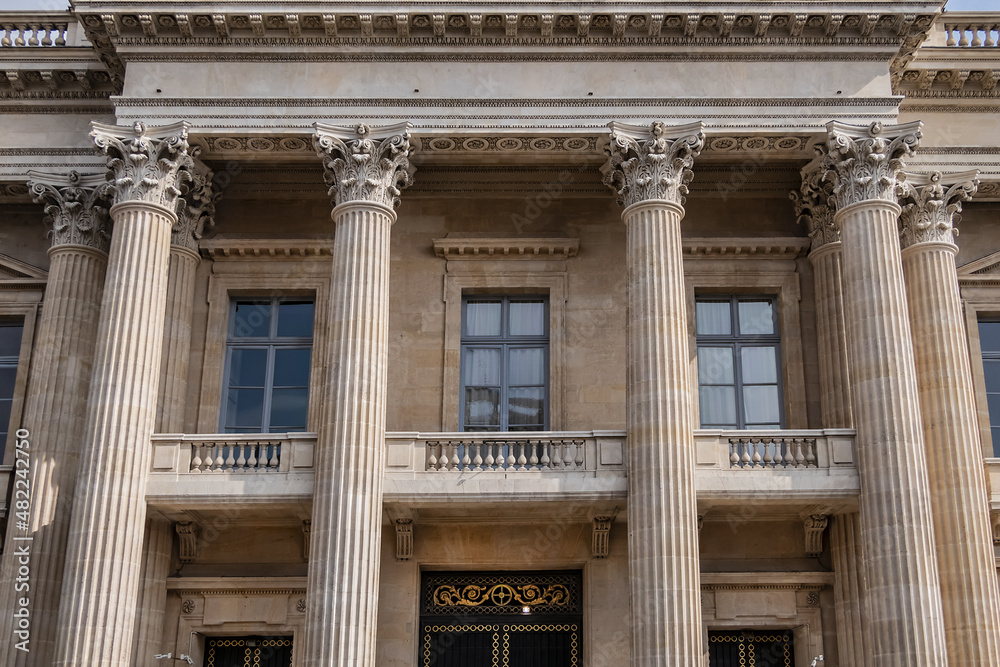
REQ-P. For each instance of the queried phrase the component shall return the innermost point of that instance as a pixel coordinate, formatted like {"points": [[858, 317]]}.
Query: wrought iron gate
{"points": [[505, 619], [248, 652], [749, 648]]}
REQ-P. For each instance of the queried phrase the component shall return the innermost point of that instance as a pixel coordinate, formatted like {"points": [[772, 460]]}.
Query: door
{"points": [[750, 648], [248, 652]]}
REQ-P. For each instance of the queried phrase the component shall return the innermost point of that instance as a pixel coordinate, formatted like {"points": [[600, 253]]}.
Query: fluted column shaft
{"points": [[54, 415], [105, 542], [662, 511], [152, 601], [960, 504], [347, 501], [173, 388], [904, 601]]}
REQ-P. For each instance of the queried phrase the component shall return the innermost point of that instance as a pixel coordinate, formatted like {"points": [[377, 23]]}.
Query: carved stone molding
{"points": [[187, 531], [601, 540], [365, 164], [813, 209], [932, 204], [652, 162], [814, 526], [306, 538], [754, 247], [220, 249], [404, 539], [509, 144], [148, 164], [195, 209], [949, 83], [81, 83], [76, 205], [863, 163], [501, 248]]}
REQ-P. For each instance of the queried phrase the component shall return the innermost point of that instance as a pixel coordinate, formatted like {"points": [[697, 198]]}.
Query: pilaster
{"points": [[904, 600], [76, 207], [649, 168], [959, 500], [365, 169], [97, 610]]}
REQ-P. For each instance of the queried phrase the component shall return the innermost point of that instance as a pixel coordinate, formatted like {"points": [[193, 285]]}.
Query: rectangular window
{"points": [[739, 362], [10, 351], [268, 362], [989, 342], [505, 363]]}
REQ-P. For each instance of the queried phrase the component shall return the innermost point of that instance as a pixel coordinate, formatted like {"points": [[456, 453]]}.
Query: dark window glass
{"points": [[10, 351], [989, 342], [504, 363], [268, 364], [739, 363]]}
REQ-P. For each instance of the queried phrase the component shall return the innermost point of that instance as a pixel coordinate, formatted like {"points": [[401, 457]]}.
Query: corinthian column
{"points": [[904, 601], [649, 168], [101, 578], [959, 502], [77, 208], [826, 255], [365, 168], [195, 213]]}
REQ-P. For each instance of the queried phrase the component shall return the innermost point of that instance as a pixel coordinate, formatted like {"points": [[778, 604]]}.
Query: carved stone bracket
{"points": [[76, 205], [365, 164], [195, 209], [863, 164], [652, 162], [148, 164], [187, 531], [601, 543], [404, 539], [814, 526], [813, 209], [932, 204], [306, 539]]}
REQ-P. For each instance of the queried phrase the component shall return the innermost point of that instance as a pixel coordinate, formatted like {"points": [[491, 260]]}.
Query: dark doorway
{"points": [[248, 652], [751, 648]]}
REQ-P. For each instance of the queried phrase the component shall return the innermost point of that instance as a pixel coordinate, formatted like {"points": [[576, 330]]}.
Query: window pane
{"points": [[993, 401], [482, 318], [7, 376], [715, 365], [759, 365], [527, 366], [5, 406], [760, 405], [995, 432], [989, 336], [247, 368], [291, 368], [252, 319], [482, 367], [246, 407], [482, 407], [289, 408], [10, 340], [526, 406], [527, 318], [991, 369], [712, 318], [717, 406], [756, 317], [295, 319]]}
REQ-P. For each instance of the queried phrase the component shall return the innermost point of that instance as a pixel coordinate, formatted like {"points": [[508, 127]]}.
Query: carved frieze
{"points": [[932, 204], [195, 208], [652, 162], [76, 205], [365, 164], [148, 164], [863, 163]]}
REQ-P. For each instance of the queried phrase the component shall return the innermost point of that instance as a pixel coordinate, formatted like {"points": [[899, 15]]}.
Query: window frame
{"points": [[27, 311], [737, 342], [985, 356], [505, 342]]}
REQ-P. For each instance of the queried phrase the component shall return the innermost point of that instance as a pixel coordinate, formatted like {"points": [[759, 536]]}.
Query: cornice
{"points": [[950, 83], [755, 248], [470, 247], [239, 249]]}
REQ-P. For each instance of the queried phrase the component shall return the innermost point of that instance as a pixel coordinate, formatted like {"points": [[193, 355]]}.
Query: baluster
{"points": [[522, 460], [47, 35], [217, 458], [20, 36], [253, 460], [61, 35], [490, 460], [964, 41], [466, 459], [230, 460], [811, 453], [533, 461], [432, 460], [443, 461], [989, 36], [569, 453], [477, 463], [272, 457], [768, 447], [579, 453], [756, 444], [33, 40], [241, 462], [511, 459], [800, 458], [277, 456], [950, 31], [975, 36], [779, 447], [734, 453], [546, 460], [744, 456], [196, 459]]}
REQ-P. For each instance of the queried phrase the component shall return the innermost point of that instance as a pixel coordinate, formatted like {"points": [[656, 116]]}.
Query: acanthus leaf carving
{"points": [[813, 209], [863, 163], [195, 209], [932, 205], [148, 164], [365, 164], [76, 205], [651, 162]]}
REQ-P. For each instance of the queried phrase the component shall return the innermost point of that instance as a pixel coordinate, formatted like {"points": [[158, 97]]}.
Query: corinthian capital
{"points": [[651, 162], [864, 162], [195, 208], [148, 164], [813, 209], [932, 204], [76, 205], [365, 164]]}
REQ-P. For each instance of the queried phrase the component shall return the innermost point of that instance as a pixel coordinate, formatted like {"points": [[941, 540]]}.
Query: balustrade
{"points": [[974, 33], [235, 457], [28, 32], [505, 455], [772, 452]]}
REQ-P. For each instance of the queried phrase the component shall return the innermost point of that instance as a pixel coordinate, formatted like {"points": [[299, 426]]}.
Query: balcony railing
{"points": [[776, 451], [972, 29], [233, 454], [34, 29]]}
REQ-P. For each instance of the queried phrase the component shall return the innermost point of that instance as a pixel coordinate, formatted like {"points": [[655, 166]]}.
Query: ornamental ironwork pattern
{"points": [[745, 648], [248, 652], [491, 594], [501, 642]]}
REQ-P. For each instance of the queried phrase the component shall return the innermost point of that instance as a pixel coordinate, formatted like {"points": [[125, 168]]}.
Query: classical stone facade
{"points": [[404, 334]]}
